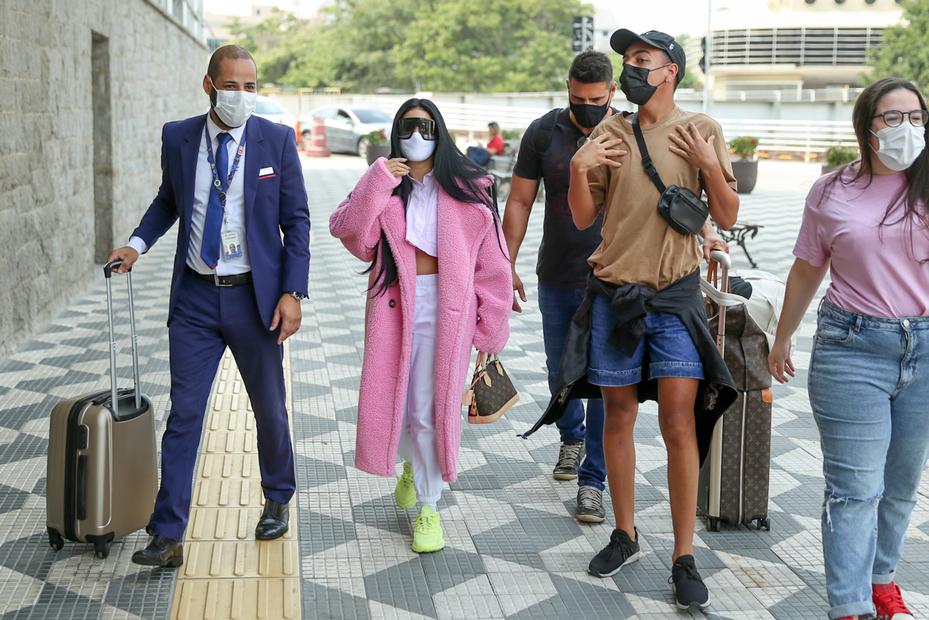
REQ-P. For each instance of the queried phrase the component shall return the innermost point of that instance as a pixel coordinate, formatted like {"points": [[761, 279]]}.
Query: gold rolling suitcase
{"points": [[102, 476]]}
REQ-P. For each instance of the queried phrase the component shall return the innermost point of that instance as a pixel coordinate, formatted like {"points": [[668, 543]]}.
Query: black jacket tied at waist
{"points": [[630, 303]]}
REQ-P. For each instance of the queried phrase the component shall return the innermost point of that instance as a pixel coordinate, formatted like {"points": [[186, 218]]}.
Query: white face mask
{"points": [[234, 106], [900, 145], [417, 148]]}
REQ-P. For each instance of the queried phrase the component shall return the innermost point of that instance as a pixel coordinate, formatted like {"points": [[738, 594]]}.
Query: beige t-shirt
{"points": [[639, 246]]}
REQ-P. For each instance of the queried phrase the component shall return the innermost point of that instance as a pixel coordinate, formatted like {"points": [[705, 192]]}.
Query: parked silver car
{"points": [[346, 127]]}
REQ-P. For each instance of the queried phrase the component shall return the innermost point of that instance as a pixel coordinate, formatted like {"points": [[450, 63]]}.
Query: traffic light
{"points": [[582, 33], [703, 54]]}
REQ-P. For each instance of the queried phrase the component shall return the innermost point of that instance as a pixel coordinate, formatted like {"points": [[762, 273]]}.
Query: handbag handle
{"points": [[480, 361]]}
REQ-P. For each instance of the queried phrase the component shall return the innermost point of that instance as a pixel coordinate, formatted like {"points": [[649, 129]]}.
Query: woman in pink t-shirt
{"points": [[868, 225]]}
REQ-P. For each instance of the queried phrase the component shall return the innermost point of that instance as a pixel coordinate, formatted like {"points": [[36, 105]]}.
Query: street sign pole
{"points": [[706, 56]]}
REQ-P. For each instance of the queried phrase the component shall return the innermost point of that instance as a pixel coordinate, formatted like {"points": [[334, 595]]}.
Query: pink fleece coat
{"points": [[475, 294]]}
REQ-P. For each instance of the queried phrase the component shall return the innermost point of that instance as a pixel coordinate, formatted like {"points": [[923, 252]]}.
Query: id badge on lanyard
{"points": [[232, 245], [232, 242], [217, 182]]}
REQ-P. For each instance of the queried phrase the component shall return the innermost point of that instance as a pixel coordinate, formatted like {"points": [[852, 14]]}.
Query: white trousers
{"points": [[418, 437]]}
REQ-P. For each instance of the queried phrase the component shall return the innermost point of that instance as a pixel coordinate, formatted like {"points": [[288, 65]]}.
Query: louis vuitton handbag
{"points": [[491, 392]]}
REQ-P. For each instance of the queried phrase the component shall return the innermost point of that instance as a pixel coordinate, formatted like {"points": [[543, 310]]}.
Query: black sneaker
{"points": [[569, 461], [689, 590], [621, 551], [589, 505]]}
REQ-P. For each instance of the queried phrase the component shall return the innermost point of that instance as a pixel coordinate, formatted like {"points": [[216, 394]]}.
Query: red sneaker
{"points": [[889, 602]]}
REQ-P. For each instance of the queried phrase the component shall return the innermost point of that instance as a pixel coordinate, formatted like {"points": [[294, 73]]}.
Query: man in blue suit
{"points": [[234, 183]]}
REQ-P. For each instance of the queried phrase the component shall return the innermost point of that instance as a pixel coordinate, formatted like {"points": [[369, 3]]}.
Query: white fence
{"points": [[808, 139], [804, 138]]}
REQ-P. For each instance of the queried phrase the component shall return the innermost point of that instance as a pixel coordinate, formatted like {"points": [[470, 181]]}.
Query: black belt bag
{"points": [[684, 211]]}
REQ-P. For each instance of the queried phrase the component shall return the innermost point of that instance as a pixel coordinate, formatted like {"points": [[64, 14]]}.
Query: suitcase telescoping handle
{"points": [[720, 257], [114, 395]]}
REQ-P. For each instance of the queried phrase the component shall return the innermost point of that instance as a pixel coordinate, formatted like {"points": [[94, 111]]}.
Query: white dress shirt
{"points": [[422, 215], [233, 216]]}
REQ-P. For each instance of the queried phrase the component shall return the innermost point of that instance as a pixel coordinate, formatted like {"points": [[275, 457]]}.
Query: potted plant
{"points": [[373, 145], [838, 156], [745, 168]]}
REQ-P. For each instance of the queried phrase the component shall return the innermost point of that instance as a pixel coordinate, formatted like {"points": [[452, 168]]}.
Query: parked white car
{"points": [[346, 127], [269, 109]]}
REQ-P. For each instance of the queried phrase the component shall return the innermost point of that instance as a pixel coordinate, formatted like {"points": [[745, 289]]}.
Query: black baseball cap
{"points": [[622, 39]]}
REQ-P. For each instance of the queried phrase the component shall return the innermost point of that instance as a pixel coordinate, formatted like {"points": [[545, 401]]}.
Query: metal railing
{"points": [[800, 138], [795, 46]]}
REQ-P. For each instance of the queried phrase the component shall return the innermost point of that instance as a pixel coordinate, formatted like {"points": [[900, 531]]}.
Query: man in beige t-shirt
{"points": [[641, 251], [639, 247]]}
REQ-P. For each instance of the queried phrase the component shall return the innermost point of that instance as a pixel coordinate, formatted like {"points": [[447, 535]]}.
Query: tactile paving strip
{"points": [[226, 572]]}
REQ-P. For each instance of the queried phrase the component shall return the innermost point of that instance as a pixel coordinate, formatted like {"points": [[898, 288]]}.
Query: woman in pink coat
{"points": [[440, 283]]}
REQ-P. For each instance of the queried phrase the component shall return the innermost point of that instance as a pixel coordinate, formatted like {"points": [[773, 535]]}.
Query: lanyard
{"points": [[217, 183]]}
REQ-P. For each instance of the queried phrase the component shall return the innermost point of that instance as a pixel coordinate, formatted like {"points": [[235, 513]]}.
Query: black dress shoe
{"points": [[273, 521], [162, 552]]}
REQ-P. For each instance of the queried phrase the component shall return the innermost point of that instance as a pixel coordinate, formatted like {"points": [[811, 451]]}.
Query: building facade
{"points": [[88, 85], [802, 44]]}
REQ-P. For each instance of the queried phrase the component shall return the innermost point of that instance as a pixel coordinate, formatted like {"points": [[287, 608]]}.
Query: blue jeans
{"points": [[671, 350], [869, 389], [558, 306]]}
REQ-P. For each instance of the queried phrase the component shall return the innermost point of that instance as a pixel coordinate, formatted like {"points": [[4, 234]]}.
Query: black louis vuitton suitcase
{"points": [[102, 476], [735, 476]]}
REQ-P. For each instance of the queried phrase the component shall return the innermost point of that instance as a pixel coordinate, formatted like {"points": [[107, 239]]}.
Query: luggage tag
{"points": [[232, 245]]}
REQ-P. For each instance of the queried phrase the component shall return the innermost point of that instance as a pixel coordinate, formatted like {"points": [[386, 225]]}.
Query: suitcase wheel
{"points": [[714, 524], [55, 540], [101, 545], [763, 523]]}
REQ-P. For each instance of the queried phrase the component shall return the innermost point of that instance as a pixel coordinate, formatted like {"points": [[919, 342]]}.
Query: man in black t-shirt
{"points": [[545, 152]]}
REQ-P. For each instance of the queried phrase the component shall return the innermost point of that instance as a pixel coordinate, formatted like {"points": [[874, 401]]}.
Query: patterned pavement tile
{"points": [[513, 547]]}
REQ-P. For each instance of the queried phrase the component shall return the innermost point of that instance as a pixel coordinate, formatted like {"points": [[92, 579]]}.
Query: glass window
{"points": [[371, 115]]}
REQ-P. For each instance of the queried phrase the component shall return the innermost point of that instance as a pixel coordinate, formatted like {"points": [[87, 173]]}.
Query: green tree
{"points": [[904, 49], [692, 72], [273, 42], [437, 45]]}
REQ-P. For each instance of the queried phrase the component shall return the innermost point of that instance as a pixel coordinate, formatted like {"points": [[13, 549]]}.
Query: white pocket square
{"points": [[266, 171]]}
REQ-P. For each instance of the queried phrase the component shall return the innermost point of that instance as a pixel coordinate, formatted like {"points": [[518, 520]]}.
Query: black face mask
{"points": [[587, 115], [633, 81]]}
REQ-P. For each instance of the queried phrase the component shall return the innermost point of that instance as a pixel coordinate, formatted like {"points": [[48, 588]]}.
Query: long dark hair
{"points": [[457, 175], [916, 192]]}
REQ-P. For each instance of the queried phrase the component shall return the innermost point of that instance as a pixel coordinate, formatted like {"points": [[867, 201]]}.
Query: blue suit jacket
{"points": [[272, 206]]}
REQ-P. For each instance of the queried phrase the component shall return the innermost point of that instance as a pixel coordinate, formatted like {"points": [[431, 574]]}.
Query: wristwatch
{"points": [[297, 295]]}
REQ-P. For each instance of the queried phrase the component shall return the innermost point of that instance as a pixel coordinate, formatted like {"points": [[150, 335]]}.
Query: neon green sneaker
{"points": [[428, 535], [405, 493]]}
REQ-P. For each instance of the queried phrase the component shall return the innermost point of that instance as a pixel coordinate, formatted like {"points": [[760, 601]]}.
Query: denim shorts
{"points": [[671, 350]]}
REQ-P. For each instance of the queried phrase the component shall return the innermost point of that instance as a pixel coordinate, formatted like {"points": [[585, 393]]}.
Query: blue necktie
{"points": [[213, 223]]}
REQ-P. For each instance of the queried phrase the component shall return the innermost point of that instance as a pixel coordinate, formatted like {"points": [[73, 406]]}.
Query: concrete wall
{"points": [[87, 85]]}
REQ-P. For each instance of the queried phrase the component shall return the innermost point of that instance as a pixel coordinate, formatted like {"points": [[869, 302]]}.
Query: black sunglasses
{"points": [[407, 126]]}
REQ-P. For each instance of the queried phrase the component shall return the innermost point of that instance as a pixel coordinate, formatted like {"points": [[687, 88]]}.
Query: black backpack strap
{"points": [[546, 128], [646, 158]]}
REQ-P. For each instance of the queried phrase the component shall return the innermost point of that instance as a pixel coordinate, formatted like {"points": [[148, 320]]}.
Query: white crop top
{"points": [[422, 210]]}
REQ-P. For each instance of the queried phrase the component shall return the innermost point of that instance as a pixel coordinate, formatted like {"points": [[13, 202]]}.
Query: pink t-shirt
{"points": [[876, 270]]}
